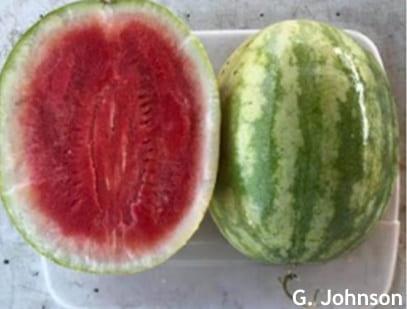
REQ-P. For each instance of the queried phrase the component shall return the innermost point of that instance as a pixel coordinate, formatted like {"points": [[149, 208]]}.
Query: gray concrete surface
{"points": [[21, 281]]}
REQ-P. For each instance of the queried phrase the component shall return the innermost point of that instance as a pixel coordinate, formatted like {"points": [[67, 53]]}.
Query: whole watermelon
{"points": [[308, 146]]}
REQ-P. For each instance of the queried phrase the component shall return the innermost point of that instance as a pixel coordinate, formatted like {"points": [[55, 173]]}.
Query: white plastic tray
{"points": [[208, 273]]}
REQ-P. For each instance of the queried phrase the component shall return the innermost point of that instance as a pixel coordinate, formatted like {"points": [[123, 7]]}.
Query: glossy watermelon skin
{"points": [[308, 145]]}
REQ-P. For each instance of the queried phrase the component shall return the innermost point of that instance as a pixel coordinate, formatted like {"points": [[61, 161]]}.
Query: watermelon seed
{"points": [[6, 261]]}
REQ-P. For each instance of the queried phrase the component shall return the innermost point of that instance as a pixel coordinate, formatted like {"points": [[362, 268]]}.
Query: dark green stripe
{"points": [[307, 187], [386, 131], [265, 171], [348, 164], [389, 126], [343, 225], [230, 174]]}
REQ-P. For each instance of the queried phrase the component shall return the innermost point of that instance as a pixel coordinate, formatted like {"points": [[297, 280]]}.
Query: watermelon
{"points": [[109, 132], [308, 144]]}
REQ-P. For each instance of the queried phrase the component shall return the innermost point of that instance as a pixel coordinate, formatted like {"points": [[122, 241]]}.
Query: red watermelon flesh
{"points": [[111, 133]]}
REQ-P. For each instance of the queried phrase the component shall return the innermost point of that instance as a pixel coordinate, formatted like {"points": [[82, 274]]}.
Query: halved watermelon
{"points": [[109, 135]]}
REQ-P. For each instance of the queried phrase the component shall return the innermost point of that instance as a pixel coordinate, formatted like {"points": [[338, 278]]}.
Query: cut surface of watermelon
{"points": [[108, 115]]}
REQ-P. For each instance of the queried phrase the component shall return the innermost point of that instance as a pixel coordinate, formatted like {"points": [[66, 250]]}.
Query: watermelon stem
{"points": [[284, 282], [292, 276]]}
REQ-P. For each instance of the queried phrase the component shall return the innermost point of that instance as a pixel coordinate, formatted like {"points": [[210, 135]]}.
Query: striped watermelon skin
{"points": [[308, 146]]}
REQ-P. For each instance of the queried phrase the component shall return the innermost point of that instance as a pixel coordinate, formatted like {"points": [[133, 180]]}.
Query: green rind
{"points": [[308, 146], [196, 49]]}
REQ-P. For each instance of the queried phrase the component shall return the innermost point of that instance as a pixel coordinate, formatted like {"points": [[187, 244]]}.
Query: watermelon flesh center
{"points": [[111, 134]]}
